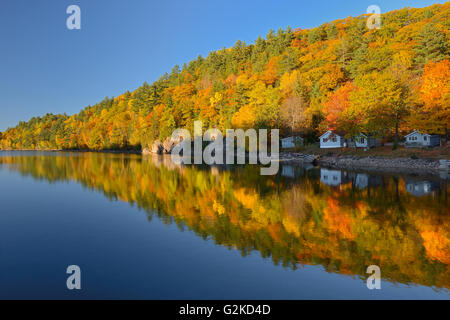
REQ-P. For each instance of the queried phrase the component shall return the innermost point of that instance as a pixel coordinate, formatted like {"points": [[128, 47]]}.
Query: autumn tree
{"points": [[381, 103], [293, 113], [339, 115], [433, 111]]}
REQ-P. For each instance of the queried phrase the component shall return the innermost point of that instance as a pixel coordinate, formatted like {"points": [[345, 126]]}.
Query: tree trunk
{"points": [[396, 136], [446, 135]]}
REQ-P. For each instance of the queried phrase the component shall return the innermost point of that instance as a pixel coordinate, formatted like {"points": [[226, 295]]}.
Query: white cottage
{"points": [[417, 139], [291, 142], [366, 141], [332, 139]]}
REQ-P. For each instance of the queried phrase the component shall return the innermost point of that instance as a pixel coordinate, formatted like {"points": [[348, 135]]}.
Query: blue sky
{"points": [[46, 68]]}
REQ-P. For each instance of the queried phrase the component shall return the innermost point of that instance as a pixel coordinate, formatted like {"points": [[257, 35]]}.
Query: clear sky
{"points": [[46, 68]]}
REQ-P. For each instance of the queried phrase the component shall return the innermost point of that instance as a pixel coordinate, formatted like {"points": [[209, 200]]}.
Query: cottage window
{"points": [[333, 139], [425, 138], [325, 139]]}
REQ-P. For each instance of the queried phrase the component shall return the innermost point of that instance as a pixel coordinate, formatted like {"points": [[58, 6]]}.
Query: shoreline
{"points": [[79, 151]]}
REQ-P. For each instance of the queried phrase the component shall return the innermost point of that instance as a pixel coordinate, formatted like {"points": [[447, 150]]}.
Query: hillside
{"points": [[340, 75]]}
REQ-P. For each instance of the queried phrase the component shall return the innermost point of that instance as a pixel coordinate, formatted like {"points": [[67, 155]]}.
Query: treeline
{"points": [[340, 75]]}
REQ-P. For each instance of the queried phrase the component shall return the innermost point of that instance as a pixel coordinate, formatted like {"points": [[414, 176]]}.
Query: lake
{"points": [[146, 228]]}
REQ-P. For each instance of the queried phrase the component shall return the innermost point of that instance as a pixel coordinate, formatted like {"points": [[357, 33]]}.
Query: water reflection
{"points": [[331, 177], [341, 220], [420, 188]]}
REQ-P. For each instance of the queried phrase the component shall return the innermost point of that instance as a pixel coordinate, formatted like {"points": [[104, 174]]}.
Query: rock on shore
{"points": [[159, 147]]}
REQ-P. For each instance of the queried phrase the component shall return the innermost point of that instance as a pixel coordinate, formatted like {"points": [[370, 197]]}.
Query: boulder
{"points": [[444, 165], [157, 147], [146, 151], [168, 145]]}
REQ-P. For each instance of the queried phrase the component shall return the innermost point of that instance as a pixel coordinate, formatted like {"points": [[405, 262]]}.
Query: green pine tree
{"points": [[431, 46]]}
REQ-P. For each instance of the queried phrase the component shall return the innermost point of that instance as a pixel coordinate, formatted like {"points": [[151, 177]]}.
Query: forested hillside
{"points": [[340, 75]]}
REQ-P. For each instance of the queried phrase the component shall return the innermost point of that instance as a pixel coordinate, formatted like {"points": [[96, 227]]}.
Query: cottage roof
{"points": [[336, 132], [292, 137], [418, 132], [364, 134]]}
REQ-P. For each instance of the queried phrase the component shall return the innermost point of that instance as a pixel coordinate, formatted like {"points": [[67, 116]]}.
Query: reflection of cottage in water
{"points": [[421, 188], [333, 177], [295, 171], [288, 171], [330, 177], [363, 181]]}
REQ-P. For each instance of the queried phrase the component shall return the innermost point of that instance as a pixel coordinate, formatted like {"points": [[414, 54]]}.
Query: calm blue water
{"points": [[90, 210]]}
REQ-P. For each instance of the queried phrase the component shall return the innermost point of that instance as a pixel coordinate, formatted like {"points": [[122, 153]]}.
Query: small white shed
{"points": [[332, 139], [417, 139], [291, 142], [366, 141]]}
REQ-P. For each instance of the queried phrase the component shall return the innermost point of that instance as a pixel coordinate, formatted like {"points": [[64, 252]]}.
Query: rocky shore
{"points": [[403, 165], [379, 164], [159, 147]]}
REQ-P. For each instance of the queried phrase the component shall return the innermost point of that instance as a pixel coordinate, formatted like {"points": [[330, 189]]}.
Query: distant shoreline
{"points": [[74, 150]]}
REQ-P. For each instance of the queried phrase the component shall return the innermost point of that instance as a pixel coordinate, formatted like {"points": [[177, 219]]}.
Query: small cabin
{"points": [[291, 142], [366, 141], [332, 139], [417, 139]]}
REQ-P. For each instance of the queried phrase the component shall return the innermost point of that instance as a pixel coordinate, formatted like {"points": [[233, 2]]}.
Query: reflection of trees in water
{"points": [[296, 221]]}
